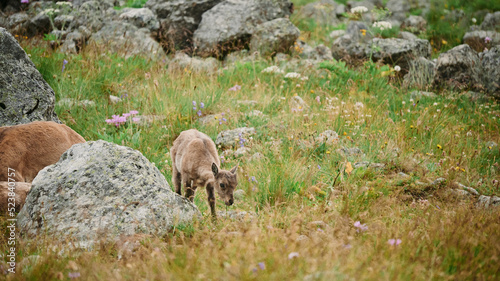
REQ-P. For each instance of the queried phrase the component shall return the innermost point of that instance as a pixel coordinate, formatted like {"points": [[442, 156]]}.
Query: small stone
{"points": [[350, 151], [403, 175], [438, 181], [239, 194], [468, 189]]}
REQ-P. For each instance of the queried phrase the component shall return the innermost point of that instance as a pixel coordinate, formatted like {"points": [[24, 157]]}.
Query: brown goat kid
{"points": [[195, 162]]}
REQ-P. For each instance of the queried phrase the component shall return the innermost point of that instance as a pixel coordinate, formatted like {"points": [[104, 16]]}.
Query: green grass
{"points": [[302, 188]]}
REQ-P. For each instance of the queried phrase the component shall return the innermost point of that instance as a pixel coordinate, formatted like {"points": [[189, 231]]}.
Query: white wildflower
{"points": [[359, 10], [382, 25], [397, 68], [62, 3], [272, 69], [474, 20], [292, 75], [359, 105]]}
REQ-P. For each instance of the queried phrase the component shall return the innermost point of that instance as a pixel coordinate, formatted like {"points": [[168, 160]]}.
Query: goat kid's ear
{"points": [[233, 170], [215, 170]]}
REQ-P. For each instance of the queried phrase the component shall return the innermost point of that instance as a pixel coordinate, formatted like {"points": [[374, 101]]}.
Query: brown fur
{"points": [[20, 189], [28, 148], [195, 162]]}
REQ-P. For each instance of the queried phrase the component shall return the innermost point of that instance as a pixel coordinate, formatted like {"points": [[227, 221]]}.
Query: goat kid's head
{"points": [[225, 183]]}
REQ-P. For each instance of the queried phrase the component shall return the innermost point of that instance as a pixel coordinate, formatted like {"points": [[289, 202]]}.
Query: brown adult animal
{"points": [[28, 148], [9, 203], [195, 162]]}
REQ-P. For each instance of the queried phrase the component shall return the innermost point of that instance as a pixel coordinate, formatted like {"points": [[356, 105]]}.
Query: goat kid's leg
{"points": [[176, 179], [211, 199], [190, 190]]}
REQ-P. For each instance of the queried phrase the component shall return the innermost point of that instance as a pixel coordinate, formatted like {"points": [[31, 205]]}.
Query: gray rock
{"points": [[353, 42], [336, 34], [489, 66], [421, 94], [407, 35], [231, 137], [24, 95], [128, 40], [63, 21], [241, 151], [318, 53], [39, 24], [114, 99], [420, 73], [178, 20], [92, 14], [468, 189], [415, 24], [438, 181], [460, 193], [403, 175], [17, 19], [182, 61], [101, 191], [273, 37], [229, 25], [491, 21], [477, 39], [324, 12], [239, 194], [237, 215], [398, 9], [488, 201], [142, 17], [74, 43], [366, 164], [350, 151], [458, 68], [328, 137], [398, 51]]}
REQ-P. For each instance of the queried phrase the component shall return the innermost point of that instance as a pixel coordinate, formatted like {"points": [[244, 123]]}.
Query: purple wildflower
{"points": [[64, 65], [199, 113], [347, 246], [73, 275], [202, 105], [194, 103], [360, 227], [262, 265], [126, 115], [235, 88], [136, 119], [487, 40], [252, 178], [134, 112], [25, 1], [319, 167], [394, 242], [222, 158]]}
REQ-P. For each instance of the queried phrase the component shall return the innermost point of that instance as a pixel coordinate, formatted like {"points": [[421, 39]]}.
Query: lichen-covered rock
{"points": [[229, 25], [414, 24], [318, 53], [182, 61], [125, 38], [178, 20], [397, 51], [274, 36], [353, 42], [488, 201], [458, 68], [477, 39], [24, 95], [92, 14], [490, 71], [324, 12], [491, 21], [420, 73], [142, 17], [101, 191], [398, 9], [232, 137]]}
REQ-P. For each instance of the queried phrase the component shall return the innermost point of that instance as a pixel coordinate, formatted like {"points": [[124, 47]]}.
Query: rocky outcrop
{"points": [[141, 18], [458, 68], [274, 36], [491, 22], [490, 71], [324, 12], [353, 42], [178, 20], [100, 191], [129, 40], [24, 94], [229, 25], [398, 51]]}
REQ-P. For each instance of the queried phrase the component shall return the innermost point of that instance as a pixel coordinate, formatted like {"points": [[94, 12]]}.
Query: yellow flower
{"points": [[444, 42], [457, 168], [312, 91], [328, 152], [363, 31], [439, 146], [345, 134]]}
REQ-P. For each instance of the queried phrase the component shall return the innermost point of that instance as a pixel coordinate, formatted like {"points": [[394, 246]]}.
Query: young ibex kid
{"points": [[195, 162]]}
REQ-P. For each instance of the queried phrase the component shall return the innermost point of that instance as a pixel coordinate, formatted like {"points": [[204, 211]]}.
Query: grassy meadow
{"points": [[310, 215]]}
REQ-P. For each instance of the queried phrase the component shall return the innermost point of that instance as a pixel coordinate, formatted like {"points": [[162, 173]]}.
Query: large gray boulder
{"points": [[420, 73], [178, 20], [353, 42], [101, 191], [414, 24], [324, 12], [92, 15], [397, 51], [229, 25], [274, 36], [128, 40], [490, 71], [477, 39], [24, 95], [491, 21], [141, 17], [458, 68]]}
